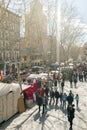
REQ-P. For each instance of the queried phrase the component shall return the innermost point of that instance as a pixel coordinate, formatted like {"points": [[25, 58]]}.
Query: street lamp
{"points": [[58, 33], [58, 29]]}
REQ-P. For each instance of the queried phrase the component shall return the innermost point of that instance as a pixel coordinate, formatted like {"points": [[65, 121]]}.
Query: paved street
{"points": [[55, 118]]}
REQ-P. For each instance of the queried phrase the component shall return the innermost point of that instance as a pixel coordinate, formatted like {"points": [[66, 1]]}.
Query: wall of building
{"points": [[36, 29], [9, 36]]}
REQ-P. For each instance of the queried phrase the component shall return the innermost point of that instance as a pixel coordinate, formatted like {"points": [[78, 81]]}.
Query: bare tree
{"points": [[51, 15], [71, 32], [3, 3], [3, 7], [75, 52]]}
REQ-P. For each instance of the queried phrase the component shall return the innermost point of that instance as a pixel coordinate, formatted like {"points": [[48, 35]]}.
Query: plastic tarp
{"points": [[30, 90], [9, 95]]}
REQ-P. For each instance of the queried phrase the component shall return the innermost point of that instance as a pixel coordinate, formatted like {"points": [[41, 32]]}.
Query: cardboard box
{"points": [[21, 106]]}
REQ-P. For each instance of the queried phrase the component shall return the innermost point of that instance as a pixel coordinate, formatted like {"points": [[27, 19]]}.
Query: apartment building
{"points": [[9, 36]]}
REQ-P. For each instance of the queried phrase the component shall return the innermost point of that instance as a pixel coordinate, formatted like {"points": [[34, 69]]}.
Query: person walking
{"points": [[55, 83], [64, 98], [42, 92], [44, 103], [71, 114], [70, 99], [75, 79], [77, 100], [39, 101], [70, 92], [47, 93], [57, 96], [61, 99], [52, 96], [47, 90], [62, 85], [71, 80]]}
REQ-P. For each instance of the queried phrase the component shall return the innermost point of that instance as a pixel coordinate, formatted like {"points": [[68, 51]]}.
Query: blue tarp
{"points": [[54, 65]]}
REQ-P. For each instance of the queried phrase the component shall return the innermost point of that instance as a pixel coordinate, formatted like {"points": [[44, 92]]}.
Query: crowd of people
{"points": [[75, 76], [52, 92], [56, 95]]}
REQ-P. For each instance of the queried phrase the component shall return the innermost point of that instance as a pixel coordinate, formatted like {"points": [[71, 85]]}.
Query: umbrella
{"points": [[43, 74], [54, 65], [32, 76]]}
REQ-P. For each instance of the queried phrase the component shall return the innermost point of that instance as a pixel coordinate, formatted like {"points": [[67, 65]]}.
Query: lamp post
{"points": [[48, 54], [58, 34], [19, 79], [58, 29]]}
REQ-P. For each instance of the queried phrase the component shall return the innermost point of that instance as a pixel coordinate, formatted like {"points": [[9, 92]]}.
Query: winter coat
{"points": [[44, 100], [55, 83], [70, 99], [77, 98], [62, 84], [46, 91], [70, 112], [64, 97], [39, 101], [57, 94], [52, 94]]}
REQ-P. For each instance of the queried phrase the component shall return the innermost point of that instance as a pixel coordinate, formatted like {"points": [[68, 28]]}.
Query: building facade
{"points": [[9, 36], [36, 32], [85, 52], [24, 54]]}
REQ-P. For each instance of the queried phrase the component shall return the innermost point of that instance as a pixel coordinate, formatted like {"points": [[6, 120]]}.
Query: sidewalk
{"points": [[55, 118], [18, 120]]}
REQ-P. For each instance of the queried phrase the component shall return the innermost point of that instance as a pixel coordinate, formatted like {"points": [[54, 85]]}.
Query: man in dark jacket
{"points": [[70, 112], [52, 95], [39, 101], [62, 85], [46, 91], [57, 96], [70, 99]]}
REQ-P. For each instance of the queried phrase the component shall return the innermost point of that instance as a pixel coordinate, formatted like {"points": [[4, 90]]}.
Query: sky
{"points": [[80, 4], [82, 8]]}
